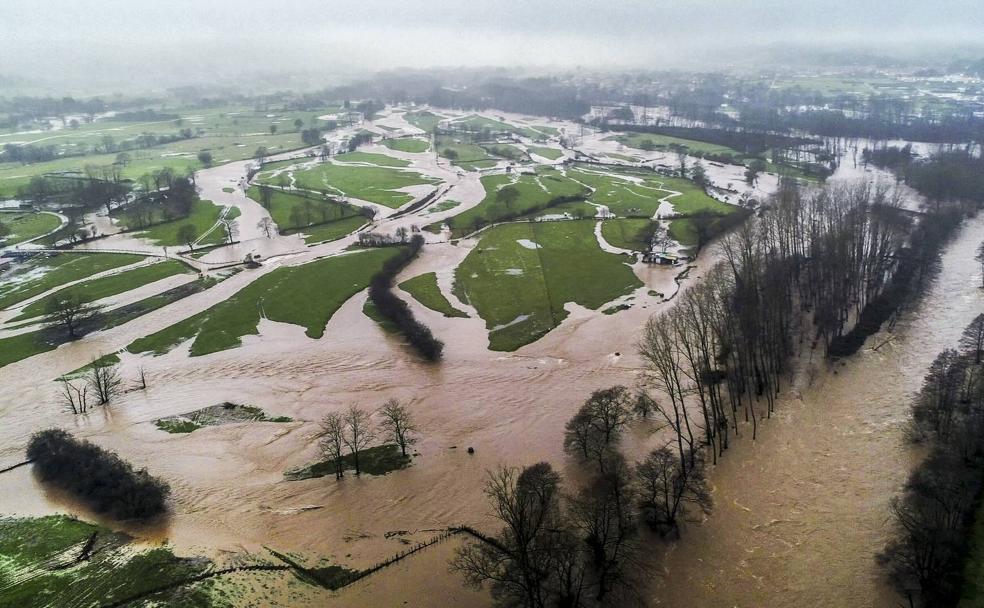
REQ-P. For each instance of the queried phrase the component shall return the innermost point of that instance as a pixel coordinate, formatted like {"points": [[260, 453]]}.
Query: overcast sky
{"points": [[112, 40]]}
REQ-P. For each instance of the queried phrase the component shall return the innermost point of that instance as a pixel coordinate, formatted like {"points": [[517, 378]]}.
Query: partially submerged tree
{"points": [[104, 380], [69, 312], [266, 226], [332, 443], [666, 489], [398, 425], [597, 425], [358, 433]]}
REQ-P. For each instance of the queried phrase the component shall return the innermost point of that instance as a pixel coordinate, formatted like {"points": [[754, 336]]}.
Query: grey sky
{"points": [[117, 39]]}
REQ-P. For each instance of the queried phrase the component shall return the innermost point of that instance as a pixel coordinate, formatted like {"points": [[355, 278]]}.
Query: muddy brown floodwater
{"points": [[800, 514]]}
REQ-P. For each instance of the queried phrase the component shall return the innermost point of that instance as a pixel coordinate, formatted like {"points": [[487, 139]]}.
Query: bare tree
{"points": [[596, 426], [358, 433], [104, 380], [398, 424], [75, 396], [69, 312], [980, 259], [332, 443], [534, 561], [187, 234], [973, 338]]}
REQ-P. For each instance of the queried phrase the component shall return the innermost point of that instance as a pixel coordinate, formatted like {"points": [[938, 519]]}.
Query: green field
{"points": [[507, 151], [43, 273], [228, 133], [663, 142], [424, 289], [314, 209], [38, 567], [548, 153], [520, 291], [26, 226], [481, 123], [306, 295], [332, 231], [204, 215], [534, 191], [370, 158], [461, 152], [628, 233], [626, 198], [406, 144], [423, 120], [373, 184], [96, 289]]}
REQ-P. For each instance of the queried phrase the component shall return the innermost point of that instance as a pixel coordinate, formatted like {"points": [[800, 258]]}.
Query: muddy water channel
{"points": [[800, 514]]}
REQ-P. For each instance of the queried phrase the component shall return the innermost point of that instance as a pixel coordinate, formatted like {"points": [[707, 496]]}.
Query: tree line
{"points": [[396, 310], [345, 436], [934, 517], [101, 479]]}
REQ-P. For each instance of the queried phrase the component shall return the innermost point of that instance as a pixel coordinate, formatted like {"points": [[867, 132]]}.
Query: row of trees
{"points": [[107, 483], [349, 433], [934, 517], [396, 310]]}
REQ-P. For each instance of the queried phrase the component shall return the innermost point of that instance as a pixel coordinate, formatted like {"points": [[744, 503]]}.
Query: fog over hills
{"points": [[112, 42]]}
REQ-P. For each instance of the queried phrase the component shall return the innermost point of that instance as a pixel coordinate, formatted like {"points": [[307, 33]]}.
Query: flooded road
{"points": [[800, 514]]}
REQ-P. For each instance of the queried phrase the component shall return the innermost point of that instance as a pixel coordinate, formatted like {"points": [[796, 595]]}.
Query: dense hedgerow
{"points": [[101, 479]]}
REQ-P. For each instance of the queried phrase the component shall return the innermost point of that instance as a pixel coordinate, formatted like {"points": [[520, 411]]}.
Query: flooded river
{"points": [[798, 516]]}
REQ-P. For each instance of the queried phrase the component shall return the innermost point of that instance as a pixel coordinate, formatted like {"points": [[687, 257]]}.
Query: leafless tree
{"points": [[358, 433], [332, 443], [666, 488], [398, 424], [74, 396], [104, 380], [595, 428]]}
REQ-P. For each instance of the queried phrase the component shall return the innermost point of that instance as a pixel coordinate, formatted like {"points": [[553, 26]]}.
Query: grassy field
{"points": [[32, 343], [548, 153], [26, 226], [204, 215], [424, 289], [314, 209], [481, 123], [461, 151], [96, 289], [625, 198], [370, 158], [423, 120], [38, 567], [663, 142], [306, 295], [332, 231], [507, 151], [406, 144], [228, 133], [373, 184], [520, 289], [628, 233], [43, 273], [534, 190]]}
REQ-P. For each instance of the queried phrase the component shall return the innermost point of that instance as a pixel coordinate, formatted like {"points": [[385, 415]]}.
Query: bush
{"points": [[99, 478]]}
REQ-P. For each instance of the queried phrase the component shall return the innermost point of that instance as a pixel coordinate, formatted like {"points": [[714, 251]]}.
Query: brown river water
{"points": [[798, 516]]}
